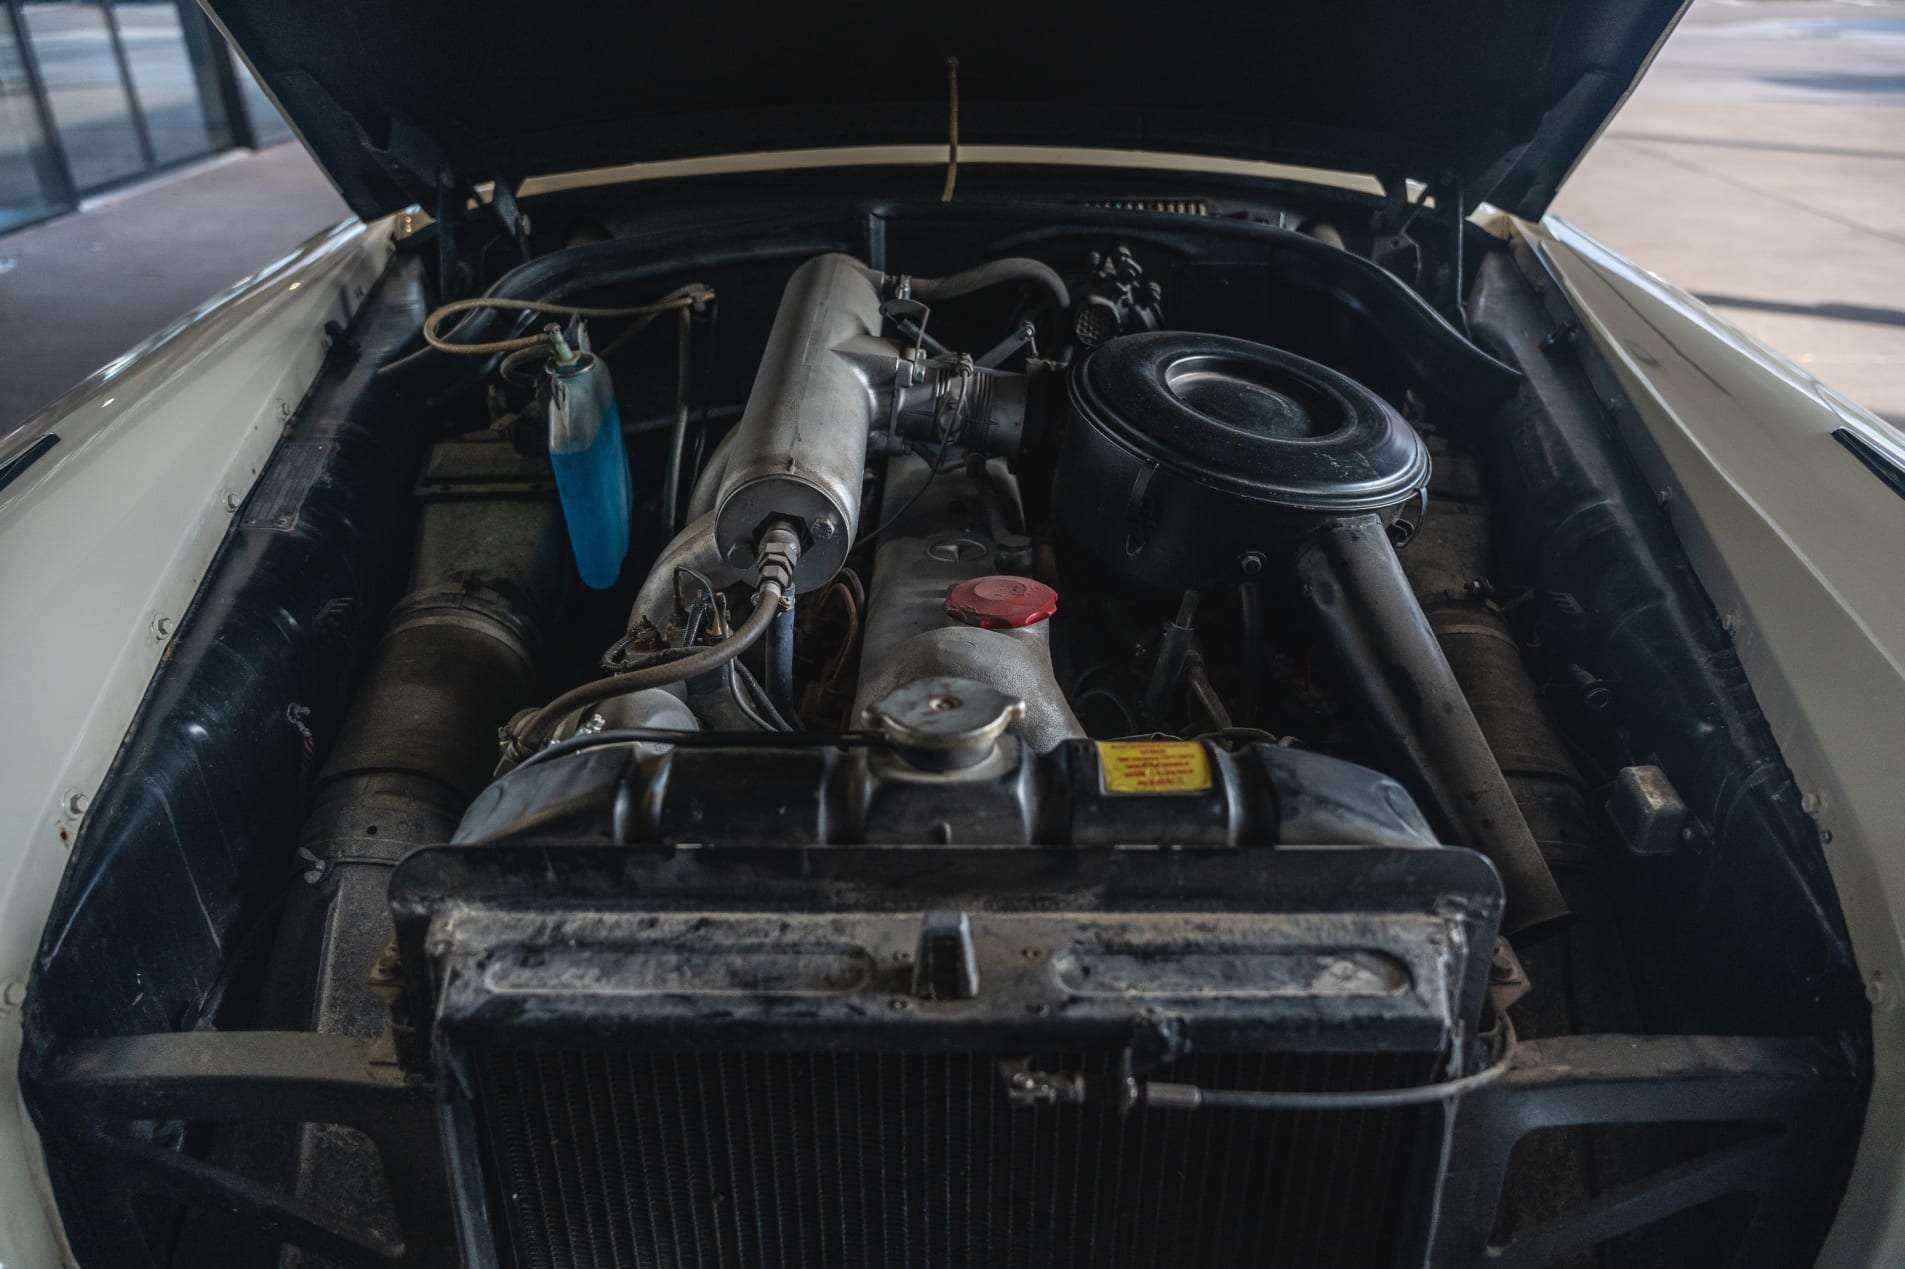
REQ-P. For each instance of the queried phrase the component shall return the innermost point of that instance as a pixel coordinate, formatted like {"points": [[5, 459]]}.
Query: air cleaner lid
{"points": [[1001, 602], [1253, 421]]}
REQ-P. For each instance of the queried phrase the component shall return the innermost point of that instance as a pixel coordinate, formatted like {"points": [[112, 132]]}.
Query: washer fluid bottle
{"points": [[590, 462]]}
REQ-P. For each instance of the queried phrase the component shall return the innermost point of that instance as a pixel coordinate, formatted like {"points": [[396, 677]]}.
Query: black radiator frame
{"points": [[1801, 1087], [1800, 1091], [97, 1095]]}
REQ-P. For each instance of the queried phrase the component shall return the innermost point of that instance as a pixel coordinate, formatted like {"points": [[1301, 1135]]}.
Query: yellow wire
{"points": [[952, 128]]}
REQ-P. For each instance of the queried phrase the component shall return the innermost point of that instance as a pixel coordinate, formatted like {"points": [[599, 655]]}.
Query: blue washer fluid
{"points": [[591, 466]]}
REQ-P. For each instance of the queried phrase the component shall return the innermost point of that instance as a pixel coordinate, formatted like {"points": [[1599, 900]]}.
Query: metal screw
{"points": [[823, 528], [386, 970], [1811, 803], [1563, 334], [162, 628], [284, 409], [75, 802], [13, 995], [230, 500], [1251, 562]]}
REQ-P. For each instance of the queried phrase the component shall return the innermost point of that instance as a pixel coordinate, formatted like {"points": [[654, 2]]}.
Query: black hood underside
{"points": [[1494, 99]]}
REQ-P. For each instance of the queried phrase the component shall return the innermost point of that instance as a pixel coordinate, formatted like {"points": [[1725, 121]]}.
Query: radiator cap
{"points": [[946, 724], [1001, 602]]}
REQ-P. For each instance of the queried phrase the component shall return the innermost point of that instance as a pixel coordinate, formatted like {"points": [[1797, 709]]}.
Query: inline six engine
{"points": [[1045, 775], [1137, 475]]}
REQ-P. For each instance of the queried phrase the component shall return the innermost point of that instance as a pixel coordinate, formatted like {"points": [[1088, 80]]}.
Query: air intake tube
{"points": [[799, 452], [1356, 585]]}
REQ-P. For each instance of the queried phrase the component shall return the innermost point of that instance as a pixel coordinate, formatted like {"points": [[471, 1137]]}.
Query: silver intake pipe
{"points": [[799, 451], [827, 383]]}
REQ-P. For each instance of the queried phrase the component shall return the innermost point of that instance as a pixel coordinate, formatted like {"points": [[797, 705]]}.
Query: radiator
{"points": [[698, 1160], [777, 1059]]}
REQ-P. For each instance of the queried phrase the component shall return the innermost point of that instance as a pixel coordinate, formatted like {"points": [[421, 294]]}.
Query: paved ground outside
{"points": [[1760, 165], [78, 291]]}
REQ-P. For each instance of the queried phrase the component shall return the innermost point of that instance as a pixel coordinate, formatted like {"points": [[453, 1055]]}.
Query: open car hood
{"points": [[1494, 98]]}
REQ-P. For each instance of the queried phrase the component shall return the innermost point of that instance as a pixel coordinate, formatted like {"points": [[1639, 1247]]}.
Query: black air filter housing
{"points": [[1185, 452]]}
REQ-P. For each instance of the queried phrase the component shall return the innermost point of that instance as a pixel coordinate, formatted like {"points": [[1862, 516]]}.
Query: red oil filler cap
{"points": [[1001, 602]]}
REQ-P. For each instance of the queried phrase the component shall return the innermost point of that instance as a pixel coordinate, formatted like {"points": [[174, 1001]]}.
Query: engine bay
{"points": [[1176, 473], [1088, 732]]}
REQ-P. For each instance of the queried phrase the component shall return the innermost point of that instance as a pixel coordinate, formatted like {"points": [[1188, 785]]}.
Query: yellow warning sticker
{"points": [[1154, 766]]}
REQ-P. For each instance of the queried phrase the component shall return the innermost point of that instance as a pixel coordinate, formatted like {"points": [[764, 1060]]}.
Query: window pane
{"points": [[88, 99], [267, 125], [183, 114], [29, 179]]}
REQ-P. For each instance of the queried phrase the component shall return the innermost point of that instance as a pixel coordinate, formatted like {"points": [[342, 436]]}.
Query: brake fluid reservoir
{"points": [[591, 465]]}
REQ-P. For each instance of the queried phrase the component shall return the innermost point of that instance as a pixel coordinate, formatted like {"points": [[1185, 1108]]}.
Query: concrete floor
{"points": [[78, 291], [1760, 165]]}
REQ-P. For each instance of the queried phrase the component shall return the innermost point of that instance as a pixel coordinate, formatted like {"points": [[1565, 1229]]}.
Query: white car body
{"points": [[104, 541]]}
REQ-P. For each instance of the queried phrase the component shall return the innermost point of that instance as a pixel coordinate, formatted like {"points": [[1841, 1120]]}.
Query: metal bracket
{"points": [[515, 224], [945, 966], [911, 316], [1800, 1088], [1140, 511], [103, 1088]]}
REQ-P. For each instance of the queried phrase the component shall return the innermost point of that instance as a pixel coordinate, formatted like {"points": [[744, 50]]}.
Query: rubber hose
{"points": [[992, 273], [766, 608]]}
